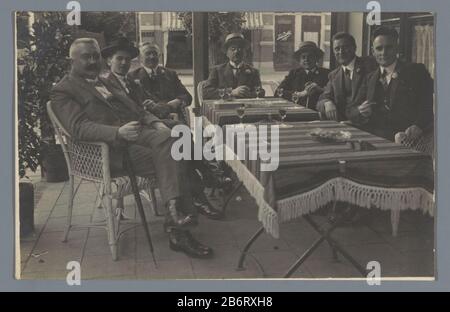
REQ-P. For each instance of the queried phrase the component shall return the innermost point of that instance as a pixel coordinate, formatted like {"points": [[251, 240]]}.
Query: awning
{"points": [[173, 23], [253, 20]]}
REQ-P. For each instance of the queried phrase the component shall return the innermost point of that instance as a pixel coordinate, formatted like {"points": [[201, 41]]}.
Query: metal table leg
{"points": [[230, 196], [247, 247]]}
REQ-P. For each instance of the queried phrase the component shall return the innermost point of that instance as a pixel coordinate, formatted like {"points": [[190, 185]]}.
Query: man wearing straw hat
{"points": [[241, 77]]}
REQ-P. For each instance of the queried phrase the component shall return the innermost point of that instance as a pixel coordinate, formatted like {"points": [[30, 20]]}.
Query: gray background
{"points": [[7, 130]]}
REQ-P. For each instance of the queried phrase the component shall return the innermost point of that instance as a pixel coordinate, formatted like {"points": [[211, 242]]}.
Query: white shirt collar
{"points": [[236, 66], [389, 69], [350, 66], [311, 70], [150, 71], [122, 80]]}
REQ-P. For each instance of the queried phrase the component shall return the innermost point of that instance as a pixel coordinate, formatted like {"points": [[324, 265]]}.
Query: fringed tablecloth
{"points": [[312, 174]]}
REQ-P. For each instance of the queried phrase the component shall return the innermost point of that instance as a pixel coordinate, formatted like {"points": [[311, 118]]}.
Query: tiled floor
{"points": [[44, 256]]}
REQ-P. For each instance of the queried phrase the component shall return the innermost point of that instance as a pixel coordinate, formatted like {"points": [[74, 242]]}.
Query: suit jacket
{"points": [[296, 80], [409, 101], [334, 90], [164, 87], [222, 76], [88, 116]]}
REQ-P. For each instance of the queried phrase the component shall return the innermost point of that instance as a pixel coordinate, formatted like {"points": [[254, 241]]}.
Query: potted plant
{"points": [[43, 63]]}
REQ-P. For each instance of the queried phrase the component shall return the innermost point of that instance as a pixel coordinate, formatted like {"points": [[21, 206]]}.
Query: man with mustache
{"points": [[397, 96], [91, 108], [345, 81], [304, 84], [241, 77], [160, 83]]}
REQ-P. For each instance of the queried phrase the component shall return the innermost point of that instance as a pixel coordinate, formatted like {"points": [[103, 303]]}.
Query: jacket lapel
{"points": [[91, 89], [357, 77], [395, 81], [117, 90], [372, 85], [340, 83], [229, 78]]}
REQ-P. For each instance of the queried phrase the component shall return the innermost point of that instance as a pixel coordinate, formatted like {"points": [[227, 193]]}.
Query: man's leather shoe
{"points": [[197, 243], [181, 241], [204, 207], [175, 219]]}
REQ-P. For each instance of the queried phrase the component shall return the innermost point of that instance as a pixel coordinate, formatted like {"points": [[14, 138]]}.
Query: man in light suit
{"points": [[345, 81], [397, 96], [161, 84], [91, 109], [241, 77], [307, 81]]}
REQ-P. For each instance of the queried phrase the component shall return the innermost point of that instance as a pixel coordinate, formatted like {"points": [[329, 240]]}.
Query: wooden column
{"points": [[199, 51]]}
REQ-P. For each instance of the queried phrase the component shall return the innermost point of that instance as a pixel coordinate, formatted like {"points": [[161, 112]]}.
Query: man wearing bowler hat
{"points": [[241, 77], [304, 84]]}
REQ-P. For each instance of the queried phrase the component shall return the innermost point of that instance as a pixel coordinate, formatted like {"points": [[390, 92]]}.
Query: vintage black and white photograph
{"points": [[225, 145]]}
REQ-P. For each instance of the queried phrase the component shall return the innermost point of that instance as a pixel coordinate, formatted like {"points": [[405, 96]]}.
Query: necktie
{"points": [[383, 79], [347, 81]]}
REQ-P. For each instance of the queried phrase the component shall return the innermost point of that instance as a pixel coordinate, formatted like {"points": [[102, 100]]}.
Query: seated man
{"points": [[397, 96], [91, 108], [118, 57], [345, 81], [305, 84], [241, 77], [161, 84]]}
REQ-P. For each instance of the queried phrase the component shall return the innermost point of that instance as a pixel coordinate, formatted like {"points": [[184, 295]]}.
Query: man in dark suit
{"points": [[91, 108], [161, 84], [241, 77], [304, 85], [345, 81], [398, 96], [118, 79]]}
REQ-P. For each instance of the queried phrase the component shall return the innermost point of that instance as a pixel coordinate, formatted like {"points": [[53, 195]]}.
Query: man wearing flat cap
{"points": [[94, 108], [304, 85], [161, 84], [235, 74]]}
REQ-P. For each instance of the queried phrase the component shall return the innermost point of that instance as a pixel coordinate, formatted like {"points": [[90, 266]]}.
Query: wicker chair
{"points": [[424, 144], [89, 161]]}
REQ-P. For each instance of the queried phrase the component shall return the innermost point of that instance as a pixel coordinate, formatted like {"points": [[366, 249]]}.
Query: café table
{"points": [[364, 171], [223, 112]]}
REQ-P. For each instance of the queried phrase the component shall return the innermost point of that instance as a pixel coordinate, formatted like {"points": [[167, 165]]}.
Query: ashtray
{"points": [[330, 136]]}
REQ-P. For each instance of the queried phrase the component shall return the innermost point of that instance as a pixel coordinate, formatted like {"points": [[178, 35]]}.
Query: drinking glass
{"points": [[222, 93], [258, 90], [283, 113], [280, 92]]}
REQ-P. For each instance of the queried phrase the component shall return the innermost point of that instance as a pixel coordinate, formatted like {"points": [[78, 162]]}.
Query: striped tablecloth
{"points": [[312, 174], [224, 112]]}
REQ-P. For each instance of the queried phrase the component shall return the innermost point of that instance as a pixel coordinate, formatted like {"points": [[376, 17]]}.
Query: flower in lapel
{"points": [[316, 71], [358, 70], [137, 81], [248, 71], [394, 75]]}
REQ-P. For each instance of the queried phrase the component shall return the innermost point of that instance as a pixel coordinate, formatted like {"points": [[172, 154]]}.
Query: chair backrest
{"points": [[272, 84], [424, 144], [86, 160], [200, 92]]}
